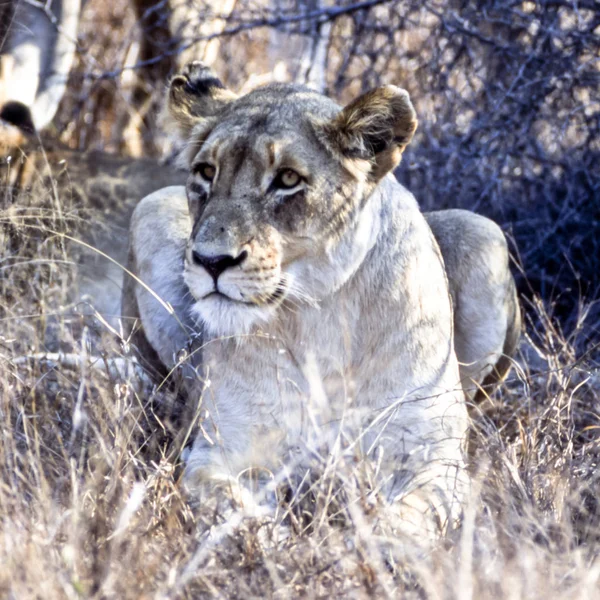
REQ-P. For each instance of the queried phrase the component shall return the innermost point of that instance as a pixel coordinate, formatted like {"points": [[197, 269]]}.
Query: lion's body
{"points": [[100, 188], [313, 289]]}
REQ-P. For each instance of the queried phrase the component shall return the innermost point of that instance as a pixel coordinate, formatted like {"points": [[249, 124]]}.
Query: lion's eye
{"points": [[206, 171], [287, 179]]}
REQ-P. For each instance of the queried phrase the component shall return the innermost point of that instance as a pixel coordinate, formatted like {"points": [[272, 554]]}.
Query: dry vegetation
{"points": [[90, 504]]}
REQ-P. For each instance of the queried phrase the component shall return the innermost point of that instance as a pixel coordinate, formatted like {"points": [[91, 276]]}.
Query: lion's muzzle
{"points": [[234, 285]]}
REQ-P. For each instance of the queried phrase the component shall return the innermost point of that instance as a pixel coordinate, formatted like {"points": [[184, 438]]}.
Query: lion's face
{"points": [[265, 197], [277, 182]]}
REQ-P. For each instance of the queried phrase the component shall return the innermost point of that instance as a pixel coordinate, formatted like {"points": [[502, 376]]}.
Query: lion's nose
{"points": [[215, 265]]}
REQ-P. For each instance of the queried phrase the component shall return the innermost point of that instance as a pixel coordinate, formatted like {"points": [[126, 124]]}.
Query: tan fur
{"points": [[332, 314], [106, 188]]}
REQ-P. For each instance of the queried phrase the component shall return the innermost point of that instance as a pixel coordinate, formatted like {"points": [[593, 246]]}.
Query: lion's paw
{"points": [[212, 486]]}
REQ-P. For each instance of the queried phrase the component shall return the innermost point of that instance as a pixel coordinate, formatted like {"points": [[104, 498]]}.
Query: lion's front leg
{"points": [[423, 468], [222, 444], [210, 469], [215, 473], [228, 467], [418, 435], [242, 432], [156, 303]]}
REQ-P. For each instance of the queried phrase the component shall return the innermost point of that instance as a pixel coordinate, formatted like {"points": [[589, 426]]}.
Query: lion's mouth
{"points": [[269, 301]]}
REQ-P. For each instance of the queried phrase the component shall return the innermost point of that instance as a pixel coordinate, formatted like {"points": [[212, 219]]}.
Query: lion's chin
{"points": [[222, 317]]}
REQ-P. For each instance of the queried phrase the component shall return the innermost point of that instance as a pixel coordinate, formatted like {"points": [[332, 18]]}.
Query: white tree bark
{"points": [[40, 49]]}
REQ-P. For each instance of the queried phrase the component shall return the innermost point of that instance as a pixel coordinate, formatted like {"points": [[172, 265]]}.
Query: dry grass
{"points": [[90, 502], [89, 468]]}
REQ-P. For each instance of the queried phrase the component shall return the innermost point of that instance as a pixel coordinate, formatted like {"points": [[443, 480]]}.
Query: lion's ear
{"points": [[194, 95], [376, 127]]}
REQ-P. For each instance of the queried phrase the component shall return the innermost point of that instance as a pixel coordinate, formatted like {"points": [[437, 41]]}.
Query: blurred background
{"points": [[507, 93]]}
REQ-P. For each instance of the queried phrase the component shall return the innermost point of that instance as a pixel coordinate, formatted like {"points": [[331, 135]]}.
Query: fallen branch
{"points": [[118, 367]]}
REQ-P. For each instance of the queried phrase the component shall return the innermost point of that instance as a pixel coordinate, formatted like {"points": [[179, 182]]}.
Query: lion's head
{"points": [[278, 182]]}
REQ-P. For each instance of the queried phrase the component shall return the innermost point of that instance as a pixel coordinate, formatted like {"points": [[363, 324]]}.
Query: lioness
{"points": [[314, 287]]}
